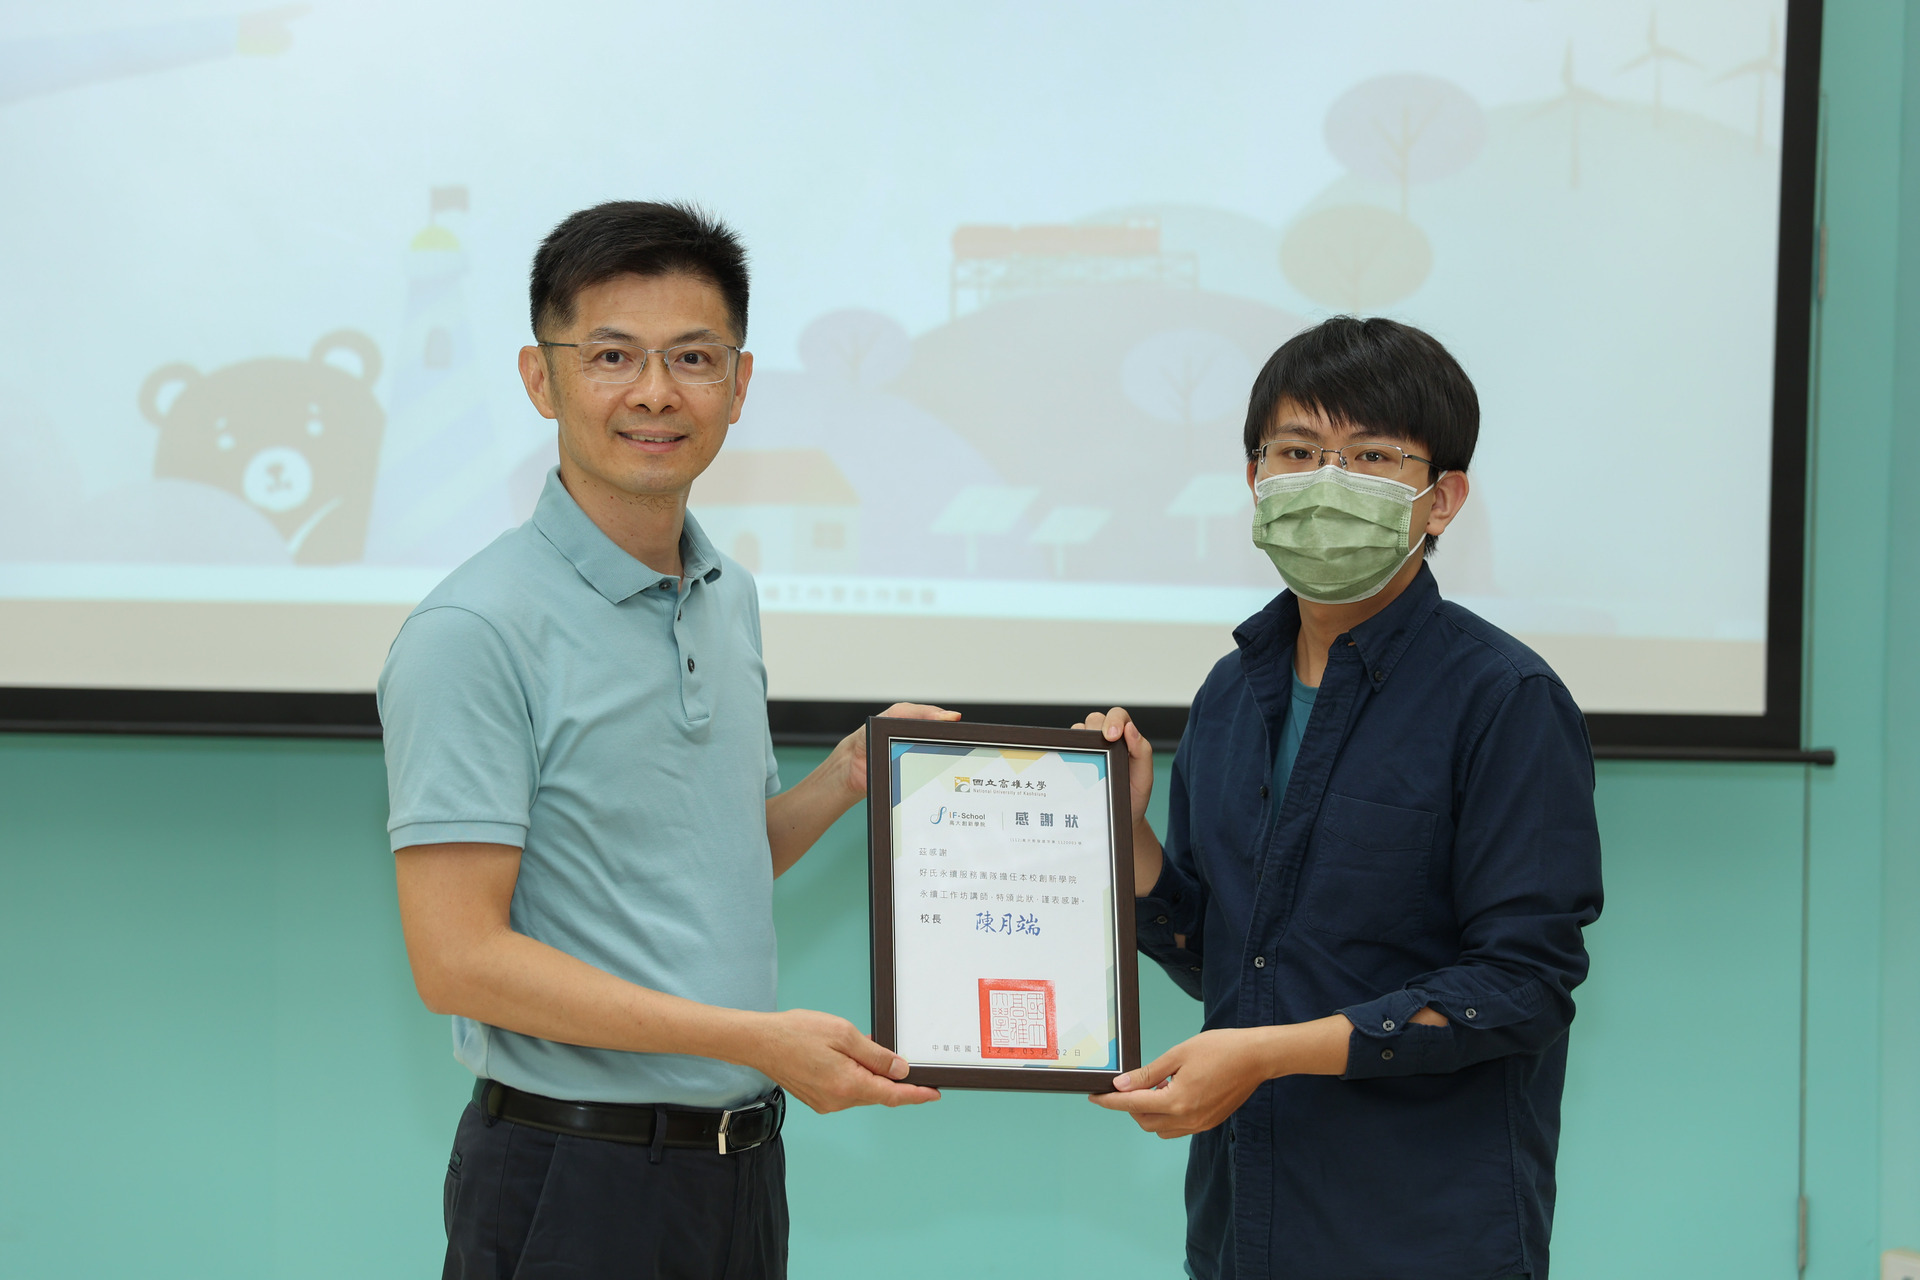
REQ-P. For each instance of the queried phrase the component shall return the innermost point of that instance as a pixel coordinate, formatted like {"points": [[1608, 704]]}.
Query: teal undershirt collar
{"points": [[1299, 708]]}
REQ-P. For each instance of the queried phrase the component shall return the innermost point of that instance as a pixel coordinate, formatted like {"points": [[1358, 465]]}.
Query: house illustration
{"points": [[993, 263], [780, 510]]}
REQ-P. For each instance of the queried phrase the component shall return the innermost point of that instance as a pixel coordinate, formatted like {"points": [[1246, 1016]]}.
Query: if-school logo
{"points": [[938, 817]]}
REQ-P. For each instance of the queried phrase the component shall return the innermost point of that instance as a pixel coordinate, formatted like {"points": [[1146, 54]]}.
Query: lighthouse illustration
{"points": [[442, 491]]}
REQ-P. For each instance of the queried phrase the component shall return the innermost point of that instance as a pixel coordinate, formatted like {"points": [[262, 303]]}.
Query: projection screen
{"points": [[1015, 268]]}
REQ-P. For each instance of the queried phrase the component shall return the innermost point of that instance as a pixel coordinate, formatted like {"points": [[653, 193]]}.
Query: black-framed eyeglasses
{"points": [[694, 363], [1369, 458]]}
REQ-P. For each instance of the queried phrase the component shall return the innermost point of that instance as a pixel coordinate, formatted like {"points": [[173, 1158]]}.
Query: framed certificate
{"points": [[1002, 905]]}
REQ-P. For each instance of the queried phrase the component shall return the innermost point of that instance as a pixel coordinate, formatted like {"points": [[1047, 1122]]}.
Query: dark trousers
{"points": [[523, 1203]]}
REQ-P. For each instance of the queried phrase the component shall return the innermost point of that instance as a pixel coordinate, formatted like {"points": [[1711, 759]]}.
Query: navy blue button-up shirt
{"points": [[1436, 846]]}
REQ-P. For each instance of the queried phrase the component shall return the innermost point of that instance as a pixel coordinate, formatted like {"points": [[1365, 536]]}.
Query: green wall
{"points": [[1861, 1072], [217, 1067], [208, 1003], [1900, 997]]}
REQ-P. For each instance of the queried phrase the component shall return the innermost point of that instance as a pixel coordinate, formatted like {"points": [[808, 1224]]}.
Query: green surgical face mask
{"points": [[1335, 536]]}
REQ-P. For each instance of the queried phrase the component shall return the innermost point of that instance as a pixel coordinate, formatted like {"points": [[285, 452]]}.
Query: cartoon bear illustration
{"points": [[299, 439]]}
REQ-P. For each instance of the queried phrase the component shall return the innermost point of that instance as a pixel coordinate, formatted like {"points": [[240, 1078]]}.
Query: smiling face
{"points": [[642, 442]]}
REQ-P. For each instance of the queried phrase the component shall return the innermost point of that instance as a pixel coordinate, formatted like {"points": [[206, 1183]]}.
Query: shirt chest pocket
{"points": [[1369, 872]]}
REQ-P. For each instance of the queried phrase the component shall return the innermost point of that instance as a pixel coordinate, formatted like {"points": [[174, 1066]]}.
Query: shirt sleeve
{"points": [[1526, 883], [1177, 902], [461, 761]]}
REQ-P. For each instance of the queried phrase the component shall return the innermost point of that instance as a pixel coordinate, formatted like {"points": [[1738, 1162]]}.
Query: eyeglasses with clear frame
{"points": [[1367, 457], [694, 363]]}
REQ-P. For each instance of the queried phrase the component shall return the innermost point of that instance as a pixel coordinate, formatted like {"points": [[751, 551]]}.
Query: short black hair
{"points": [[1374, 373], [1379, 374], [636, 237]]}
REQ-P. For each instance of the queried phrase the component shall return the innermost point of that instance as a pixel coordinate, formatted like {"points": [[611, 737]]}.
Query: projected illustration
{"points": [[444, 489], [35, 65], [296, 439], [1003, 343]]}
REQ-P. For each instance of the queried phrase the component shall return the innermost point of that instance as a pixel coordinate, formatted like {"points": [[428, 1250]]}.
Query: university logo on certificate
{"points": [[1002, 905]]}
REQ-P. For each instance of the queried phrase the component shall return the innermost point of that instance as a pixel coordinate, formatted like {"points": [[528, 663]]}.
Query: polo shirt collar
{"points": [[696, 553], [608, 569]]}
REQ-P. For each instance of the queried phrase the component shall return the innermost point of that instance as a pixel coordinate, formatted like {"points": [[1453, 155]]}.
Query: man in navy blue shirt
{"points": [[1380, 857]]}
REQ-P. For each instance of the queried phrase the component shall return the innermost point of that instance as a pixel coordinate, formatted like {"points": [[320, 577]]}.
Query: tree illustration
{"points": [[983, 510], [1763, 68], [1068, 527], [865, 348], [1186, 376], [1210, 496], [1657, 55], [1406, 129], [1356, 257]]}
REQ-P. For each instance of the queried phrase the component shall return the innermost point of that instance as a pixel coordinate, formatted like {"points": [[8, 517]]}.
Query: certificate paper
{"points": [[1006, 958]]}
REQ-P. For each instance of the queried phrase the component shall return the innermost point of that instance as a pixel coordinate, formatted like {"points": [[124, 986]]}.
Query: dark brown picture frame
{"points": [[881, 734]]}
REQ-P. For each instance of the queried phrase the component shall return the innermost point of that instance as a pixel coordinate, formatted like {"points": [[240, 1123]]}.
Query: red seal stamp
{"points": [[1016, 1019]]}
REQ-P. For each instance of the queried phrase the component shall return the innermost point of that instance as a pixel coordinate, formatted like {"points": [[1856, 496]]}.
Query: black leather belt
{"points": [[727, 1132]]}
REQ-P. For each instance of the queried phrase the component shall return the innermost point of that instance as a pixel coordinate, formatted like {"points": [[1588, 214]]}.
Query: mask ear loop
{"points": [[1420, 543], [1430, 486]]}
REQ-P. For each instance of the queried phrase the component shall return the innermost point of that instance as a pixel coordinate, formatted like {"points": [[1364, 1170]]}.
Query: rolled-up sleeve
{"points": [[1526, 884], [461, 760], [1176, 905]]}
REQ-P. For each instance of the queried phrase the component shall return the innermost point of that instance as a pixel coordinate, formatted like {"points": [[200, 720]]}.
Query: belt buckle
{"points": [[776, 1104]]}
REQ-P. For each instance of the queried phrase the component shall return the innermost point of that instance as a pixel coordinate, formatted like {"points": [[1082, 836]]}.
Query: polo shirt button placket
{"points": [[693, 692]]}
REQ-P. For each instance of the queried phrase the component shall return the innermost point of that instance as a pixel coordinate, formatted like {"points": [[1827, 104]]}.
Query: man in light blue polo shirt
{"points": [[586, 810]]}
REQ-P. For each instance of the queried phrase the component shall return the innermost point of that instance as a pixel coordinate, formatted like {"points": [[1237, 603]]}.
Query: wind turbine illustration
{"points": [[1573, 96], [1768, 64], [1657, 55]]}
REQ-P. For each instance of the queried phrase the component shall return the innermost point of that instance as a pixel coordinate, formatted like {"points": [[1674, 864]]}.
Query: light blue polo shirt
{"points": [[556, 694]]}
